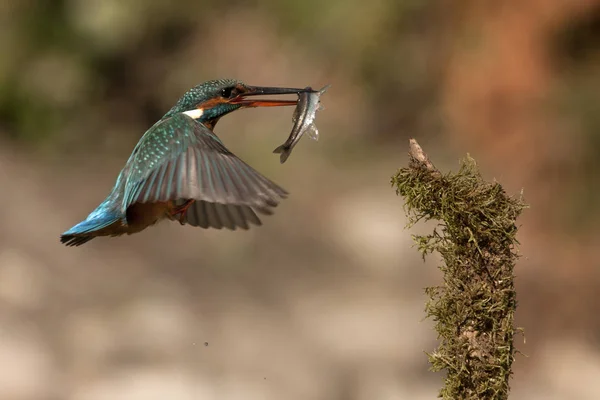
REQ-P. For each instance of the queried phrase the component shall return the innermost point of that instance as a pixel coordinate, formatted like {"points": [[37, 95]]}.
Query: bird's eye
{"points": [[227, 92]]}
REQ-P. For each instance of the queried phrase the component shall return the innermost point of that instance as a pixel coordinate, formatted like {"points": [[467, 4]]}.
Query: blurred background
{"points": [[325, 300]]}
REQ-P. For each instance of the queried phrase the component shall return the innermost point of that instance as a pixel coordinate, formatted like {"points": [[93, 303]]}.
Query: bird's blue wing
{"points": [[179, 158]]}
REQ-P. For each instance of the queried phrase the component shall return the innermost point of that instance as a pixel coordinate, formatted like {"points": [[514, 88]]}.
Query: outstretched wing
{"points": [[179, 158], [215, 215]]}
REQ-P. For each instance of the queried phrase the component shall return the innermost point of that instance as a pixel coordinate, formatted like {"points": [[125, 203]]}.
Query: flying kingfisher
{"points": [[180, 170]]}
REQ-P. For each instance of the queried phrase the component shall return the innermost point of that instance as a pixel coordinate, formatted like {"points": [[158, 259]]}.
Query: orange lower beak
{"points": [[258, 91], [263, 103]]}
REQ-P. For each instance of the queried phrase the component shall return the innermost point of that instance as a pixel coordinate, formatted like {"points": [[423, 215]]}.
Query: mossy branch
{"points": [[474, 309]]}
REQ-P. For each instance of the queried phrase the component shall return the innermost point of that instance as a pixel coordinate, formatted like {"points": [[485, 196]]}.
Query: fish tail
{"points": [[285, 152]]}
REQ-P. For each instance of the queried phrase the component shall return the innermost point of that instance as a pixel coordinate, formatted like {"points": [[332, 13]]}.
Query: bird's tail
{"points": [[86, 230], [285, 152]]}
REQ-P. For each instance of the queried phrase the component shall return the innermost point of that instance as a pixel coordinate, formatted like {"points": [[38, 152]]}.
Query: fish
{"points": [[309, 102]]}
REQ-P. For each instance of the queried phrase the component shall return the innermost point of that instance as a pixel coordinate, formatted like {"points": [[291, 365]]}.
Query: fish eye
{"points": [[227, 92]]}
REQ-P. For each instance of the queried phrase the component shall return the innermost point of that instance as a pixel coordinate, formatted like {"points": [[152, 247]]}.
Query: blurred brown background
{"points": [[325, 301]]}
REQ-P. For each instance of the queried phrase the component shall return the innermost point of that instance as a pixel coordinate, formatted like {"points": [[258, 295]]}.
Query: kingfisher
{"points": [[181, 171]]}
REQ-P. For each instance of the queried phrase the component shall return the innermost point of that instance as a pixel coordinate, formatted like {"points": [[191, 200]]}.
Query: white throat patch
{"points": [[195, 113]]}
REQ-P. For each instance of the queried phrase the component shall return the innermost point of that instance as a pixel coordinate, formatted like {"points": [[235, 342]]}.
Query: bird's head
{"points": [[211, 100]]}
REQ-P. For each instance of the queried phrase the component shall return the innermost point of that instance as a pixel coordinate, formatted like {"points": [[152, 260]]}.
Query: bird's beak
{"points": [[259, 91]]}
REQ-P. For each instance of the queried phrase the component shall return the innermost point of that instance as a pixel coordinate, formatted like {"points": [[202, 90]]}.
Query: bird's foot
{"points": [[182, 209]]}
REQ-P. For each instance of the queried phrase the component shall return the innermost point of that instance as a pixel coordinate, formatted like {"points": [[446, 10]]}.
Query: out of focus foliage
{"points": [[576, 54], [73, 60], [88, 73]]}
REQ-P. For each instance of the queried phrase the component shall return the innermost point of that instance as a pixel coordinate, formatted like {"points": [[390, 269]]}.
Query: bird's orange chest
{"points": [[143, 215]]}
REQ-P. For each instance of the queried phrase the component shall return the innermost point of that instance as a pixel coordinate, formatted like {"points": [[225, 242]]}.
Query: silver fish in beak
{"points": [[309, 102]]}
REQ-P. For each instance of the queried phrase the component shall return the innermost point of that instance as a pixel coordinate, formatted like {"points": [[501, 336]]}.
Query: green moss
{"points": [[474, 309]]}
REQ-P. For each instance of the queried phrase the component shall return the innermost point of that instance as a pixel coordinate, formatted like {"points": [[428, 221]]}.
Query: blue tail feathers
{"points": [[84, 231]]}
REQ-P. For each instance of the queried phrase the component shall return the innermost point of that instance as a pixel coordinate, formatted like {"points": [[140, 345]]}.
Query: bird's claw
{"points": [[181, 210]]}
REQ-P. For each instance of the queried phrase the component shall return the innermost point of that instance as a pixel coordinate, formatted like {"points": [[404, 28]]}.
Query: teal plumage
{"points": [[180, 170], [182, 159]]}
